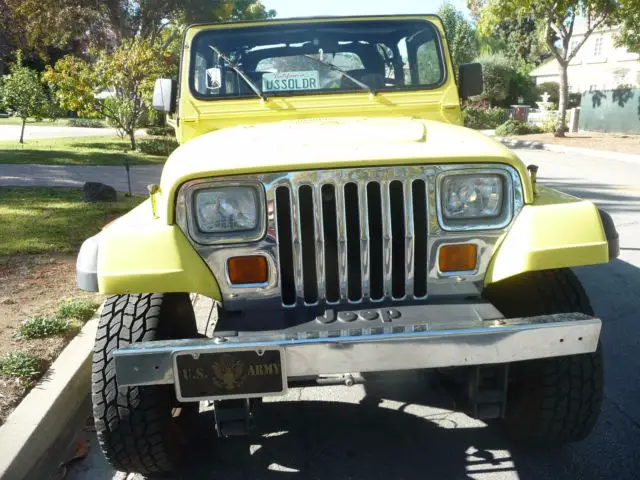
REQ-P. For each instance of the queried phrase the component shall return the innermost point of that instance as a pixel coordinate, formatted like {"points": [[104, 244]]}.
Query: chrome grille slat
{"points": [[409, 238], [297, 243], [341, 217], [364, 239], [319, 239], [387, 238]]}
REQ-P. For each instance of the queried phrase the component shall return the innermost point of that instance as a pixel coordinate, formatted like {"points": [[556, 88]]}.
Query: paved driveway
{"points": [[32, 132], [398, 432]]}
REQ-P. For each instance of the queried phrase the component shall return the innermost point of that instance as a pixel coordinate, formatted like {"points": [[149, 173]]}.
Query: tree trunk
{"points": [[132, 138], [24, 122], [563, 100]]}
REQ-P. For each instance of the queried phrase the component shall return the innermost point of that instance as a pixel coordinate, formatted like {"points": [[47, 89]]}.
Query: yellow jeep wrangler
{"points": [[328, 203]]}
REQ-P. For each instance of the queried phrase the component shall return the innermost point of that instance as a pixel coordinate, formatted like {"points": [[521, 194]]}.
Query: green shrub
{"points": [[81, 310], [515, 127], [158, 146], [549, 125], [522, 85], [161, 131], [496, 73], [42, 326], [20, 365], [86, 123], [482, 117]]}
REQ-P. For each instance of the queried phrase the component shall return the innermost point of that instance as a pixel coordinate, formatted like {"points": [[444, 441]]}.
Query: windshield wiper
{"points": [[242, 75], [343, 73]]}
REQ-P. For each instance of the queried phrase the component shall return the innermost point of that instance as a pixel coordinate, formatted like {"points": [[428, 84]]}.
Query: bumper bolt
{"points": [[347, 316], [393, 314]]}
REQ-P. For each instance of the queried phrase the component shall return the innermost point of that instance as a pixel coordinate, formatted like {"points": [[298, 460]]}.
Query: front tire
{"points": [[138, 427], [552, 400]]}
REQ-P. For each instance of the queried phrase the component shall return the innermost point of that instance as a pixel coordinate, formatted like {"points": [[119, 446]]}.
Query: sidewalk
{"points": [[628, 151], [32, 132], [30, 175]]}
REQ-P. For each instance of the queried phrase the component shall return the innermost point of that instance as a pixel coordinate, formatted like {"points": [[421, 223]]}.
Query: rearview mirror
{"points": [[470, 80], [164, 95]]}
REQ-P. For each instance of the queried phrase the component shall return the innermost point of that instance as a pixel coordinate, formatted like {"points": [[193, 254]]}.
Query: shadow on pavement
{"points": [[610, 197], [328, 440]]}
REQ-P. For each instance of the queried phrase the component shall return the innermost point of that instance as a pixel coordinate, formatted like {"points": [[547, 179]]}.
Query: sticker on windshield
{"points": [[214, 78], [288, 81]]}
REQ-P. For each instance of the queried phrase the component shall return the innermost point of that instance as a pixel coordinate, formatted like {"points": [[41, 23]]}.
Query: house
{"points": [[598, 65]]}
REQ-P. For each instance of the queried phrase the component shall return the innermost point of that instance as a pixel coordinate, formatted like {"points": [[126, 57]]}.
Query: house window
{"points": [[597, 48]]}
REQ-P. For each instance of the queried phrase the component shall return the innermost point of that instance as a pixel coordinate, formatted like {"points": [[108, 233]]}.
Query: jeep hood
{"points": [[329, 143]]}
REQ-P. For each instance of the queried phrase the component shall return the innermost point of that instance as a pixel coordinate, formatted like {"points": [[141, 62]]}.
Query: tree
{"points": [[117, 86], [522, 42], [558, 19], [461, 35], [22, 93], [629, 36], [41, 24]]}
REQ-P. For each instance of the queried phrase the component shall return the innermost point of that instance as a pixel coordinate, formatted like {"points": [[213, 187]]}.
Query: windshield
{"points": [[298, 59]]}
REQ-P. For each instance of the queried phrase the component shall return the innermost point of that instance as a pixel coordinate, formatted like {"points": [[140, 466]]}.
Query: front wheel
{"points": [[552, 400], [140, 429]]}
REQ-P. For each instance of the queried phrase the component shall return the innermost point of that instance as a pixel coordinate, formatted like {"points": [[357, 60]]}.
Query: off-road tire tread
{"points": [[131, 422], [564, 393]]}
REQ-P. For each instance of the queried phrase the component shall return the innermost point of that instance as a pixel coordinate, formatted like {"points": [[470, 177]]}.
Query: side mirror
{"points": [[470, 80], [164, 95]]}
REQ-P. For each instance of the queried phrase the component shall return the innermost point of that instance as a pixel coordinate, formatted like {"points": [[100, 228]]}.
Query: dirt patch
{"points": [[32, 285], [595, 140]]}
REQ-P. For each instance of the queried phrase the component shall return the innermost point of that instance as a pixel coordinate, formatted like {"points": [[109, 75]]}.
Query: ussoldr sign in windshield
{"points": [[301, 80]]}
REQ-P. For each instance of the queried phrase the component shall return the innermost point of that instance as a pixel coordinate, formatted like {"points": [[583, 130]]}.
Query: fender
{"points": [[555, 231], [138, 253]]}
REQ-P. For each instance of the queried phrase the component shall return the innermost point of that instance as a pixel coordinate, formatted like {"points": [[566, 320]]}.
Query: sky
{"points": [[306, 8]]}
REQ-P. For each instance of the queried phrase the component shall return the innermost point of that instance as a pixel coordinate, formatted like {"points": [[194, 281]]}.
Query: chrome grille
{"points": [[342, 241]]}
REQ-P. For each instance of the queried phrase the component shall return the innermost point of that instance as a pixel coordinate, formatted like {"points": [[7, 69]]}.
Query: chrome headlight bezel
{"points": [[213, 238], [480, 223]]}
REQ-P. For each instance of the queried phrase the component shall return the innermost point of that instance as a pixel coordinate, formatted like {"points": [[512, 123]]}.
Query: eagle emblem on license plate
{"points": [[228, 372]]}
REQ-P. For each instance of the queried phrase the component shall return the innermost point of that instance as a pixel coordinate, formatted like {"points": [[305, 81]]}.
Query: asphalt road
{"points": [[30, 175], [399, 432]]}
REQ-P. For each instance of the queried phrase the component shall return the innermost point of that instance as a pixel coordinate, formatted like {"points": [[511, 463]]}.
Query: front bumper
{"points": [[406, 337]]}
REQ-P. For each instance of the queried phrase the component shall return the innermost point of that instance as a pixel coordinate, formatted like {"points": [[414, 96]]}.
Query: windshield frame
{"points": [[441, 52]]}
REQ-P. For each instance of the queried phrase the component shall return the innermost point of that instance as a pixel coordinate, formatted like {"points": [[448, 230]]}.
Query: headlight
{"points": [[474, 201], [227, 214], [227, 209], [472, 196]]}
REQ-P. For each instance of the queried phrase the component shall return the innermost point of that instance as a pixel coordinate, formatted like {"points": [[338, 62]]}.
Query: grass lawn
{"points": [[105, 150], [45, 220]]}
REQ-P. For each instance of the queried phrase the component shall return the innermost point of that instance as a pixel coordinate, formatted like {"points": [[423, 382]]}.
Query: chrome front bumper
{"points": [[416, 342]]}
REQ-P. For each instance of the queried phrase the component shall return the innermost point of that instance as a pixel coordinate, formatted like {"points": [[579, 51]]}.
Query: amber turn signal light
{"points": [[243, 270], [458, 258]]}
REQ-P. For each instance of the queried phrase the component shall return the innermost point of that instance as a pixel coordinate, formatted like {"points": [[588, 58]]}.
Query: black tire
{"points": [[555, 400], [136, 426]]}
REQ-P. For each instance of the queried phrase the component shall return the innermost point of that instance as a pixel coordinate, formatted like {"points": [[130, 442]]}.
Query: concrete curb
{"points": [[607, 155], [44, 415]]}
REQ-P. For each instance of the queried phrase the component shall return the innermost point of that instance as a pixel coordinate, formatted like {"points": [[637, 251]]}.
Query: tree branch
{"points": [[550, 43]]}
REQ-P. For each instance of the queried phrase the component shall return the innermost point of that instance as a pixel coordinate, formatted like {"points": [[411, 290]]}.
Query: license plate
{"points": [[229, 374], [290, 81]]}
